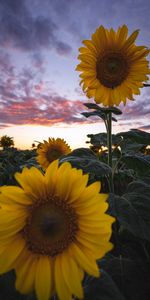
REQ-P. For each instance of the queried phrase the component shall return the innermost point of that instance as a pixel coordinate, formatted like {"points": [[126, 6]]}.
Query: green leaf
{"points": [[94, 113], [113, 110], [146, 84], [104, 110], [138, 193], [136, 136], [132, 209], [97, 113], [128, 146], [121, 180], [100, 139], [82, 152], [138, 163], [86, 160], [102, 288], [131, 275], [146, 178], [92, 106], [12, 161]]}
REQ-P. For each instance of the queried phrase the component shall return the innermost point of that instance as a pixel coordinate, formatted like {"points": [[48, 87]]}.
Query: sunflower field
{"points": [[75, 224]]}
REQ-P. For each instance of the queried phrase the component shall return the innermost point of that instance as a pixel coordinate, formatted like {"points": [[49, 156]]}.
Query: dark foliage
{"points": [[125, 271]]}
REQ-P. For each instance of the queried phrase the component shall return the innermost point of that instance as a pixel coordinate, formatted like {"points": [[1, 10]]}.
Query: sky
{"points": [[40, 95]]}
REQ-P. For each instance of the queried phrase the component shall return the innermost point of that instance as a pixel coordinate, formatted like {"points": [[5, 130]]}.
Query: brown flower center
{"points": [[112, 69], [51, 227], [53, 153]]}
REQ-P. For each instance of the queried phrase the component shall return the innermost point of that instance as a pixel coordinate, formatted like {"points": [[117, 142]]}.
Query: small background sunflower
{"points": [[50, 150]]}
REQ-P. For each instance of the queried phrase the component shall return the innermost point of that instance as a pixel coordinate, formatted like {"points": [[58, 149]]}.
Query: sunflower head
{"points": [[53, 229], [50, 150], [112, 67]]}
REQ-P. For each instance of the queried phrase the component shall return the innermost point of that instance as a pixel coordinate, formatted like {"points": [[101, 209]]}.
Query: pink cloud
{"points": [[26, 99]]}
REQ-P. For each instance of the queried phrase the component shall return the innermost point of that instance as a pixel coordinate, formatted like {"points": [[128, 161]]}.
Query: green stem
{"points": [[145, 251], [109, 145], [109, 139]]}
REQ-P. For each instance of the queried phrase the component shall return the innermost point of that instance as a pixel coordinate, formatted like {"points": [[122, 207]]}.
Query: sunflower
{"points": [[51, 150], [113, 67], [53, 229]]}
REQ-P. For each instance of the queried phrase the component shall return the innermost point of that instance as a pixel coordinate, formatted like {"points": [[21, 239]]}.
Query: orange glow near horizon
{"points": [[76, 136]]}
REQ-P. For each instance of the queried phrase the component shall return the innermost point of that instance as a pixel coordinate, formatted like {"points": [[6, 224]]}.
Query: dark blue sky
{"points": [[39, 43]]}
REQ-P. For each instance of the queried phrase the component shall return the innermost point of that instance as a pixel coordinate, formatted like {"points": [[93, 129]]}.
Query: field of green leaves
{"points": [[125, 271]]}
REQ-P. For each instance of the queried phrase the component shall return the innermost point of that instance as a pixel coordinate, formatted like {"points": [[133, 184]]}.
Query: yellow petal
{"points": [[90, 93], [122, 35], [15, 194], [112, 38], [84, 50], [32, 182], [71, 275], [97, 41], [86, 58], [43, 278], [12, 251], [131, 39], [25, 275], [64, 181], [61, 287], [90, 46], [84, 67], [11, 222], [102, 37], [89, 265], [96, 208], [88, 74], [79, 184], [51, 177]]}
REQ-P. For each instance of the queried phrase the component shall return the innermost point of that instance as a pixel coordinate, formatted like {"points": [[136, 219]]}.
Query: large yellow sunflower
{"points": [[51, 150], [52, 230], [113, 67]]}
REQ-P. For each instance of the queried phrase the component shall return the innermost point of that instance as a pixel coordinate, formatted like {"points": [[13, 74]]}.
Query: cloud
{"points": [[27, 99], [38, 61], [3, 126], [140, 108], [145, 127], [82, 17], [47, 110], [136, 113], [21, 29], [6, 66]]}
